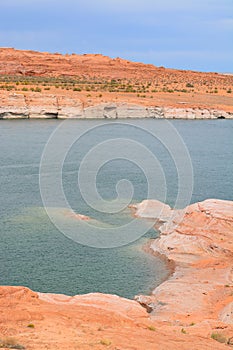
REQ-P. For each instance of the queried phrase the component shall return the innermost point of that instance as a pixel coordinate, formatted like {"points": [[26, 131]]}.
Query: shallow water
{"points": [[32, 250]]}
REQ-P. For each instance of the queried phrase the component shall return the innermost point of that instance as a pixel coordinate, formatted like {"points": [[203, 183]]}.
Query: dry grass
{"points": [[219, 337]]}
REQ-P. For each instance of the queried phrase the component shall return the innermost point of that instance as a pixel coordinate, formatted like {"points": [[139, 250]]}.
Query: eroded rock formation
{"points": [[199, 239], [34, 105]]}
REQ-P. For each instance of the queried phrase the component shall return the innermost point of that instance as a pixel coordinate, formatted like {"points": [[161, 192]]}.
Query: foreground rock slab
{"points": [[93, 321]]}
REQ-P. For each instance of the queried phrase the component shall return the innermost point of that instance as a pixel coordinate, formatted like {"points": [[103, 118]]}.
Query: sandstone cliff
{"points": [[33, 105]]}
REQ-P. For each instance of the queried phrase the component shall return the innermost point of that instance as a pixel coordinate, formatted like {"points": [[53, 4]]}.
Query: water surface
{"points": [[34, 253]]}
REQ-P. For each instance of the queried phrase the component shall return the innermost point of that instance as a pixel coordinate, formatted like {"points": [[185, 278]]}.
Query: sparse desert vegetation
{"points": [[105, 79]]}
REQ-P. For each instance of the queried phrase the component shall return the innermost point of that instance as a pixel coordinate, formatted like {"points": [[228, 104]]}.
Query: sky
{"points": [[183, 34]]}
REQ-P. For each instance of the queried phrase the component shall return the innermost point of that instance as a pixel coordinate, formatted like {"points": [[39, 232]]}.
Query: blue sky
{"points": [[184, 34]]}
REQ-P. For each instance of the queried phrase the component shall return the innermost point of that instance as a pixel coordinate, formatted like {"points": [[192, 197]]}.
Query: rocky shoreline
{"points": [[198, 240], [192, 309], [45, 106]]}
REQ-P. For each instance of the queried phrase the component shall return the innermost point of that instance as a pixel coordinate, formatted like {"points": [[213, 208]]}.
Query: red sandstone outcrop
{"points": [[33, 63], [93, 321], [46, 64]]}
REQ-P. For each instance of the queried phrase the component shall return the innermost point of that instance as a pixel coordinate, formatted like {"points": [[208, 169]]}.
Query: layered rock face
{"points": [[34, 105]]}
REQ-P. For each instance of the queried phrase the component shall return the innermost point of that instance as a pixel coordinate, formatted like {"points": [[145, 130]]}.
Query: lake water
{"points": [[34, 253]]}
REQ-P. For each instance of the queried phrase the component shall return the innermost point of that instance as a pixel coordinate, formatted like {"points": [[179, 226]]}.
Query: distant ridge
{"points": [[93, 79], [34, 63]]}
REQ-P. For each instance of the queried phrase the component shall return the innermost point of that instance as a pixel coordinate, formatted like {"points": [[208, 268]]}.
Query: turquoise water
{"points": [[32, 250]]}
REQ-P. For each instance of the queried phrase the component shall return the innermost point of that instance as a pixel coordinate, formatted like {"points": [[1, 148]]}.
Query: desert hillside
{"points": [[94, 79]]}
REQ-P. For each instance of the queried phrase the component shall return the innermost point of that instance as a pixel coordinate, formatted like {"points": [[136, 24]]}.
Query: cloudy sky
{"points": [[188, 34]]}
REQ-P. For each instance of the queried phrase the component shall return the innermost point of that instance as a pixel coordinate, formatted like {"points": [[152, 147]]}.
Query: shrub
{"points": [[218, 337], [105, 342], [31, 325]]}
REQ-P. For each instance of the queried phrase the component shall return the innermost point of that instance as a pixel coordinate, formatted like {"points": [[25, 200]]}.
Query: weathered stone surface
{"points": [[110, 111], [13, 106], [41, 105], [91, 321], [131, 111], [152, 209], [69, 108], [155, 112]]}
